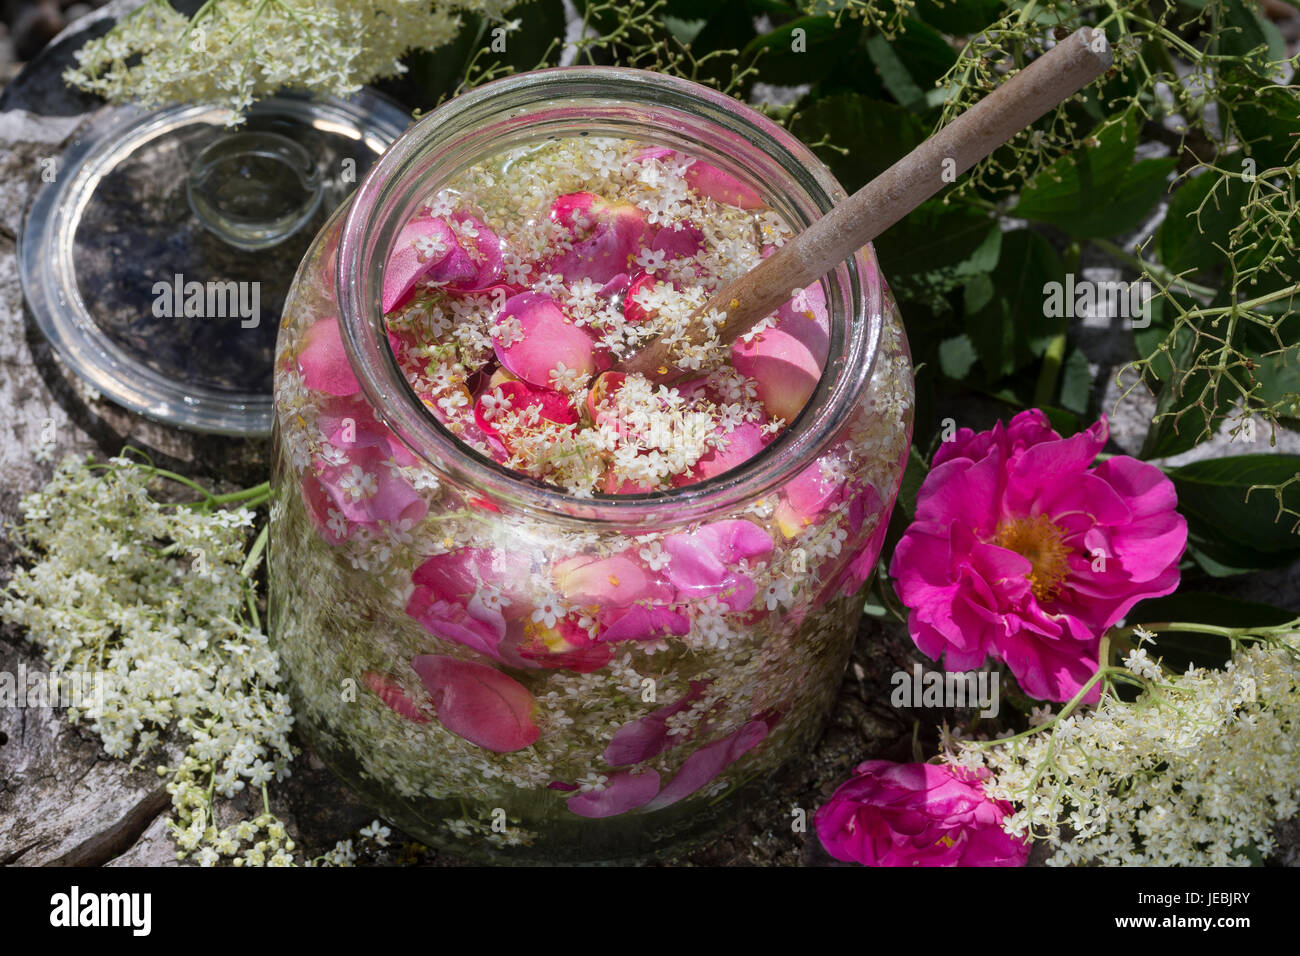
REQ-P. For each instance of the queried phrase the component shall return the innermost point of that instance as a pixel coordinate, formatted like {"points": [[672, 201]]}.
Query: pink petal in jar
{"points": [[616, 581], [322, 361], [606, 237], [479, 703], [784, 368], [633, 310], [409, 262], [623, 791], [483, 255], [552, 405], [390, 692], [804, 498], [681, 240], [702, 767], [714, 183], [639, 740], [548, 340], [601, 393], [743, 443]]}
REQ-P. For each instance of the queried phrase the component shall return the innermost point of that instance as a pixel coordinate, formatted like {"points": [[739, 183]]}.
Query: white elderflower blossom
{"points": [[1141, 665], [1194, 772], [190, 660], [237, 50]]}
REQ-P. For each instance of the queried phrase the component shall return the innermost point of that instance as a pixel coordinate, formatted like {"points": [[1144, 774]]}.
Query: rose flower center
{"points": [[1042, 542]]}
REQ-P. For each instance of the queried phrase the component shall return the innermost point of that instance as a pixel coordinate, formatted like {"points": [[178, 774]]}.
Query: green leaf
{"points": [[684, 30], [1181, 649], [894, 74], [541, 23], [729, 27], [959, 17], [1279, 380], [937, 248], [437, 73], [1188, 240], [1203, 607], [1231, 560], [1184, 422], [1004, 310], [956, 356], [1098, 190], [787, 58], [1076, 382], [686, 9], [1244, 30], [1078, 179], [1143, 185], [1265, 116], [927, 54], [913, 476], [910, 64], [853, 72], [871, 133], [1065, 422], [1227, 526]]}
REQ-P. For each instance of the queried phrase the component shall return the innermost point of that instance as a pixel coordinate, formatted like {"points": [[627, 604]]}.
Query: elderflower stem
{"points": [[156, 472], [259, 492], [255, 552], [1232, 633], [1071, 705], [1138, 264], [1054, 356]]}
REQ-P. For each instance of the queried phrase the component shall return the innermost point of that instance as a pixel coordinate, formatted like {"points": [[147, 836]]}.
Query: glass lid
{"points": [[158, 251]]}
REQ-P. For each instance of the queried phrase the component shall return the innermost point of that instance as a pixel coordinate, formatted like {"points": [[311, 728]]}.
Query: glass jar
{"points": [[427, 639]]}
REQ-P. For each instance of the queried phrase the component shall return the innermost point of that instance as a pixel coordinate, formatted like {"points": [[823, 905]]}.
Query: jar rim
{"points": [[374, 216]]}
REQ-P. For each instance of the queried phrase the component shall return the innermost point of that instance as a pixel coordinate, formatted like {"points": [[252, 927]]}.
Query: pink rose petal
{"points": [[482, 257], [407, 265], [551, 405], [707, 180], [349, 422], [549, 340], [623, 791], [366, 492], [322, 361], [479, 703], [567, 646], [743, 443], [390, 692], [702, 559], [640, 623], [712, 182], [804, 498], [703, 766], [784, 368], [602, 390], [606, 235], [616, 581], [646, 737], [633, 310], [682, 240]]}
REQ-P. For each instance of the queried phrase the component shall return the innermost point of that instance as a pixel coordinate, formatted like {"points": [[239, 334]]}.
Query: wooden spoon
{"points": [[1052, 78]]}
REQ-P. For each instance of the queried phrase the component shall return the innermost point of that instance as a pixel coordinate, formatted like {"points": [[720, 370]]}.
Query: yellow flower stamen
{"points": [[1042, 542]]}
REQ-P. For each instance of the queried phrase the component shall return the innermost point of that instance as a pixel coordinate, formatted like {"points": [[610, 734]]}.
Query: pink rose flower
{"points": [[916, 814], [1021, 550]]}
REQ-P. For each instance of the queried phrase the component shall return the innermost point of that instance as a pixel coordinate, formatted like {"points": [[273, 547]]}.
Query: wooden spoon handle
{"points": [[1052, 78]]}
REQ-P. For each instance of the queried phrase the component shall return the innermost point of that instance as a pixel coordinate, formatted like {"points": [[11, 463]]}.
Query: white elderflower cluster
{"points": [[234, 51], [158, 595], [1195, 772]]}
